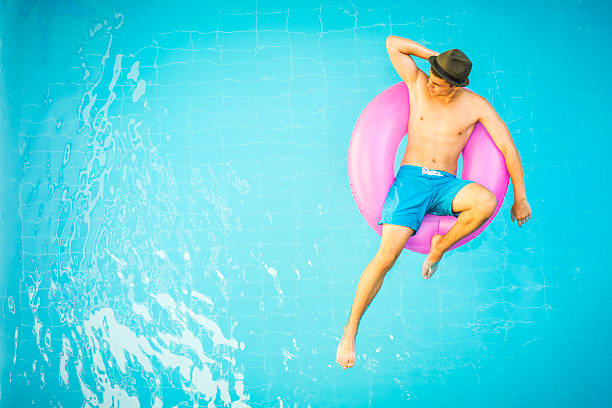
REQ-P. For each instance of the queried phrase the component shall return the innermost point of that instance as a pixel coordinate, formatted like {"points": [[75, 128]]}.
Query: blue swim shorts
{"points": [[417, 191]]}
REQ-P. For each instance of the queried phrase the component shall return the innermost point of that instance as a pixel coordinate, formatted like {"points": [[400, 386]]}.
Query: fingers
{"points": [[523, 220]]}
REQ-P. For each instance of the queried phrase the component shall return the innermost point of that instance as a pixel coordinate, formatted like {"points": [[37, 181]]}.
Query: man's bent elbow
{"points": [[389, 41]]}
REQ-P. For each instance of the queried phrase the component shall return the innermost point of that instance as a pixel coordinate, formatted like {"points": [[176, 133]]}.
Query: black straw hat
{"points": [[452, 65]]}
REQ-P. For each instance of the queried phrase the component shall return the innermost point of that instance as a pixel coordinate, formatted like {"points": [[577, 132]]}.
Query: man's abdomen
{"points": [[431, 152]]}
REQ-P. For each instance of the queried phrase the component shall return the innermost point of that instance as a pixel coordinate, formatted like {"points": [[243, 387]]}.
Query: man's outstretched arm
{"points": [[501, 136]]}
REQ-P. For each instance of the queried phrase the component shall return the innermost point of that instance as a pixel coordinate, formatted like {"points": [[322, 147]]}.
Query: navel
{"points": [[421, 118]]}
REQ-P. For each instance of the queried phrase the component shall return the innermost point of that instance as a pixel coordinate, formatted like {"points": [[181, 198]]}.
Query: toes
{"points": [[425, 271], [429, 269], [345, 363]]}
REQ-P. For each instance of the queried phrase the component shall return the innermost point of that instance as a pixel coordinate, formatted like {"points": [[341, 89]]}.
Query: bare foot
{"points": [[345, 355], [430, 265]]}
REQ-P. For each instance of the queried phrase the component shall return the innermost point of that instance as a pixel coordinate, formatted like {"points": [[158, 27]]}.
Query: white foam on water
{"points": [[107, 336]]}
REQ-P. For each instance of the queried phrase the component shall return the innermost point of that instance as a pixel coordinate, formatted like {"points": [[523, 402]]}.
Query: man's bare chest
{"points": [[441, 122]]}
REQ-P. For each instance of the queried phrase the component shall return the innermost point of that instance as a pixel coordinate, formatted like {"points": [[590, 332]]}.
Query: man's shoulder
{"points": [[469, 95], [477, 103]]}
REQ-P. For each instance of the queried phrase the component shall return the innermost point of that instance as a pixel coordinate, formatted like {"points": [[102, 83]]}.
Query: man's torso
{"points": [[438, 132]]}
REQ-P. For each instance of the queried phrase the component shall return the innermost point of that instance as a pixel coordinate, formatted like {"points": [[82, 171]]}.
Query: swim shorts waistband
{"points": [[425, 170]]}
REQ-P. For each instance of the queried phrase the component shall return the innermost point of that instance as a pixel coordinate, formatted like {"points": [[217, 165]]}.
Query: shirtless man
{"points": [[442, 117]]}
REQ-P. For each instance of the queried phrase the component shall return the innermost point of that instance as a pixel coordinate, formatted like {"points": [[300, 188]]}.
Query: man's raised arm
{"points": [[400, 51], [409, 47]]}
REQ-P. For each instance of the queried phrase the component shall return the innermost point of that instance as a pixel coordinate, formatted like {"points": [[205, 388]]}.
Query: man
{"points": [[442, 117]]}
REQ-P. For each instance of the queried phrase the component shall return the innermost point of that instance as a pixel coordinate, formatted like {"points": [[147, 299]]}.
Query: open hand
{"points": [[520, 211]]}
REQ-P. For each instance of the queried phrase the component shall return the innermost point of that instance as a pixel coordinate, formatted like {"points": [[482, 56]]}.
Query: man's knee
{"points": [[486, 202]]}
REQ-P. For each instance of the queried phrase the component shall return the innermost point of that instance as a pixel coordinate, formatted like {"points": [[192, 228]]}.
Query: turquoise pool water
{"points": [[177, 227]]}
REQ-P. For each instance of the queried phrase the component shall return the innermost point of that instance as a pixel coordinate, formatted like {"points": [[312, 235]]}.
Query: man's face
{"points": [[437, 86]]}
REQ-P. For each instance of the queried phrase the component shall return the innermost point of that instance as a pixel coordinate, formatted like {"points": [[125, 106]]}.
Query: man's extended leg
{"points": [[393, 240], [475, 204]]}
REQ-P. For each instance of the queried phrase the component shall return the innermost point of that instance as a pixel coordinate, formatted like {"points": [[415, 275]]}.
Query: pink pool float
{"points": [[371, 161]]}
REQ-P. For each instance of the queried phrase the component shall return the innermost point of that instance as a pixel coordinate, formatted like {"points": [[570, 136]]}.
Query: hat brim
{"points": [[440, 72]]}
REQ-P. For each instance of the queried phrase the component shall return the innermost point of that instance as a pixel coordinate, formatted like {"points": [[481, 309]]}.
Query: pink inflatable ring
{"points": [[371, 161]]}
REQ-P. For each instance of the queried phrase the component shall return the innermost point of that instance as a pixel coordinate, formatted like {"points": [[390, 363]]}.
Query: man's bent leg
{"points": [[393, 240], [476, 204]]}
